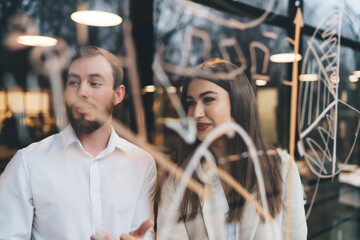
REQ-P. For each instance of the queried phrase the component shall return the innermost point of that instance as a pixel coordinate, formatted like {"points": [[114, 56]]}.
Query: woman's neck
{"points": [[220, 150], [221, 153]]}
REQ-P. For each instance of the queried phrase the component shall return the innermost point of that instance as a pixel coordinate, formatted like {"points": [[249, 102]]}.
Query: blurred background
{"points": [[181, 34]]}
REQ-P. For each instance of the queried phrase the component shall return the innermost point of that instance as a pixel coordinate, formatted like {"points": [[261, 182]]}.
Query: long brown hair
{"points": [[244, 112]]}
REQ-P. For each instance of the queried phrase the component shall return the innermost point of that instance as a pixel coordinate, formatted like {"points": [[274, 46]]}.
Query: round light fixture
{"points": [[35, 40], [96, 18], [260, 82], [285, 57], [353, 78], [171, 89], [308, 77], [149, 89], [357, 73], [334, 79]]}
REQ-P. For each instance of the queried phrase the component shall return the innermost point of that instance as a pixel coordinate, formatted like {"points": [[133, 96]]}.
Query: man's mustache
{"points": [[90, 108]]}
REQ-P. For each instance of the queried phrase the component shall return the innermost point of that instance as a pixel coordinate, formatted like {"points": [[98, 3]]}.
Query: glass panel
{"points": [[315, 12], [187, 35], [186, 40], [276, 6]]}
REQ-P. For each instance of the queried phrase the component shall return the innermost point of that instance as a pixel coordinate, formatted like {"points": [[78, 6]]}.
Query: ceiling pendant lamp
{"points": [[98, 15], [96, 18], [36, 40], [285, 57], [309, 77]]}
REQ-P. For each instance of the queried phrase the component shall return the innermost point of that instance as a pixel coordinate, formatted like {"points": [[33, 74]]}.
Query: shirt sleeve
{"points": [[16, 203], [144, 209], [296, 199]]}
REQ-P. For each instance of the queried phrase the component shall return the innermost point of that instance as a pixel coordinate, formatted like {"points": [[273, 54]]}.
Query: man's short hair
{"points": [[92, 51]]}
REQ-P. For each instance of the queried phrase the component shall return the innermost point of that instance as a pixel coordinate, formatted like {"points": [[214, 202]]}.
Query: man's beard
{"points": [[84, 127]]}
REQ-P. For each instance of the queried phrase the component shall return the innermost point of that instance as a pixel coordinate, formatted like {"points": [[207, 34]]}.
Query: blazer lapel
{"points": [[212, 214], [196, 229], [250, 221]]}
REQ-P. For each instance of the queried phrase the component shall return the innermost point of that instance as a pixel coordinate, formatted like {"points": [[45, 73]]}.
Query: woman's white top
{"points": [[232, 230], [210, 222]]}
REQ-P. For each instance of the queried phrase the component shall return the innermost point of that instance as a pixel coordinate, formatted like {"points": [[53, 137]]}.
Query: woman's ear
{"points": [[119, 94]]}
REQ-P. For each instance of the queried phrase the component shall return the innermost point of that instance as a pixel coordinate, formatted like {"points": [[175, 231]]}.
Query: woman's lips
{"points": [[202, 126]]}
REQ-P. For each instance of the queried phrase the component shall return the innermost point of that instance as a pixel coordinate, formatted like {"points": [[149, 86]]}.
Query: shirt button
{"points": [[95, 194]]}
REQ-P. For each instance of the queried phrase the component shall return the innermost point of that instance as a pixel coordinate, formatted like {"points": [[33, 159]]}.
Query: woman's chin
{"points": [[201, 137]]}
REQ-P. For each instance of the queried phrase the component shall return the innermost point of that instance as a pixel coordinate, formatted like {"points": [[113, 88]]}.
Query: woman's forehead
{"points": [[199, 85]]}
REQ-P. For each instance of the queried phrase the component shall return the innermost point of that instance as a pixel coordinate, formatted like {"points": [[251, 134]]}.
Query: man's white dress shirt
{"points": [[54, 189]]}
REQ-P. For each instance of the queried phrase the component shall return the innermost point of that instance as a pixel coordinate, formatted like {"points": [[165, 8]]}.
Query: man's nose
{"points": [[83, 90]]}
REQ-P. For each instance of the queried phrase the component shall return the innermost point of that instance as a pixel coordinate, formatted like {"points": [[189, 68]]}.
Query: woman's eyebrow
{"points": [[202, 94], [207, 92]]}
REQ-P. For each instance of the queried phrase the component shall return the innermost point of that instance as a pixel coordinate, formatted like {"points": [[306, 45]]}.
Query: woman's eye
{"points": [[208, 99], [190, 103]]}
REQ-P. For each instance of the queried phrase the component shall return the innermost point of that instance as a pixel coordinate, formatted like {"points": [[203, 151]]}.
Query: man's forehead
{"points": [[98, 58], [91, 62]]}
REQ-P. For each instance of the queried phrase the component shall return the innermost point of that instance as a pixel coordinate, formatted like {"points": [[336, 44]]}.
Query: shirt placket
{"points": [[96, 213]]}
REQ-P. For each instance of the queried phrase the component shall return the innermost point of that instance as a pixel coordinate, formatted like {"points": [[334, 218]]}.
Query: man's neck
{"points": [[95, 142]]}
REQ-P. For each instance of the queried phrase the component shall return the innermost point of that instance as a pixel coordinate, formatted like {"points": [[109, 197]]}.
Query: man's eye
{"points": [[72, 83], [208, 99], [95, 84]]}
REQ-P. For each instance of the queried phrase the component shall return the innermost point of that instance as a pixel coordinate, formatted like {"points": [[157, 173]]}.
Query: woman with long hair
{"points": [[212, 96]]}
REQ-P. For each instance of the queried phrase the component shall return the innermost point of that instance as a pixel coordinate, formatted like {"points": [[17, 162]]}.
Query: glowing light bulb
{"points": [[285, 57], [35, 40], [260, 82], [308, 77], [149, 89], [96, 18], [353, 78]]}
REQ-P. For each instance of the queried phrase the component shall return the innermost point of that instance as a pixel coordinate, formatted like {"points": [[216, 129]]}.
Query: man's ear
{"points": [[119, 94]]}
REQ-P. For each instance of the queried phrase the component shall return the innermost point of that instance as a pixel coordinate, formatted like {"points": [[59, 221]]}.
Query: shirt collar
{"points": [[117, 142], [69, 137]]}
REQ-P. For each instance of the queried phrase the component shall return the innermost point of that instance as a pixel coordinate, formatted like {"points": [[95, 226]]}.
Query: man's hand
{"points": [[138, 234], [101, 235]]}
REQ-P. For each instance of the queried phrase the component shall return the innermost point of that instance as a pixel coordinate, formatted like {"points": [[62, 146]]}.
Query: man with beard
{"points": [[86, 178]]}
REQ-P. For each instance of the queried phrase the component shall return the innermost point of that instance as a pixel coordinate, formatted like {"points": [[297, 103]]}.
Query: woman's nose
{"points": [[199, 110]]}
